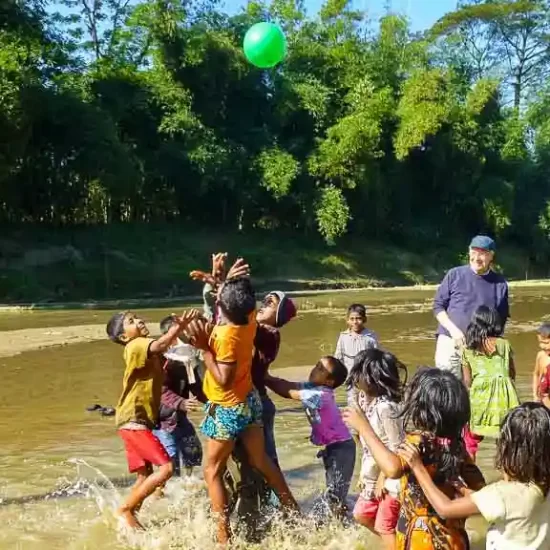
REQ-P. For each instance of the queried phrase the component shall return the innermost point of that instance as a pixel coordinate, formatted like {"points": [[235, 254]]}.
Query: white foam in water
{"points": [[180, 521]]}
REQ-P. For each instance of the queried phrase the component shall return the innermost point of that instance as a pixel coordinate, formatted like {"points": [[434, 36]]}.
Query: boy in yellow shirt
{"points": [[234, 408], [138, 406]]}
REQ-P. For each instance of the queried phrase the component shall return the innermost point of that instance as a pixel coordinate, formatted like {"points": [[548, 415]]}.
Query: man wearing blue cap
{"points": [[461, 292]]}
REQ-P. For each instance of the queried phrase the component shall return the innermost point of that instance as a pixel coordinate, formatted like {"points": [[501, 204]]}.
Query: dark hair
{"points": [[544, 329], [237, 300], [523, 446], [359, 309], [115, 327], [166, 324], [378, 370], [437, 402], [485, 323], [339, 370]]}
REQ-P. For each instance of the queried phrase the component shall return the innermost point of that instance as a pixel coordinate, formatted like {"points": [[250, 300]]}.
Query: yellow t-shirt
{"points": [[232, 344], [141, 386]]}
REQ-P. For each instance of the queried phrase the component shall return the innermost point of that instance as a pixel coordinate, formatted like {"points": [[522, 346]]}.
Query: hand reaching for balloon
{"points": [[239, 269], [199, 334]]}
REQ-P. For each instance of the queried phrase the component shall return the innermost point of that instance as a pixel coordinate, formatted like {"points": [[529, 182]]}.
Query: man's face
{"points": [[481, 260]]}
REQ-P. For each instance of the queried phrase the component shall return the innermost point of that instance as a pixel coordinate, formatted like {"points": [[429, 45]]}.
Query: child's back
{"points": [[518, 513], [327, 426], [518, 507]]}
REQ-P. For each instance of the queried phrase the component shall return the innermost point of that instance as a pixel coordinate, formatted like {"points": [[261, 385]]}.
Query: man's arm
{"points": [[441, 303]]}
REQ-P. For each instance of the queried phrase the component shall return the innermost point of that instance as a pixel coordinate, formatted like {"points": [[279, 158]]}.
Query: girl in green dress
{"points": [[488, 371]]}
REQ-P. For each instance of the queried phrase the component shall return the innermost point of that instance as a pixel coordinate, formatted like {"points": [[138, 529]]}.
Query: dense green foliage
{"points": [[121, 111]]}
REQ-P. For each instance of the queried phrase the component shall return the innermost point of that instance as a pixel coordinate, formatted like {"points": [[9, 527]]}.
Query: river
{"points": [[62, 469]]}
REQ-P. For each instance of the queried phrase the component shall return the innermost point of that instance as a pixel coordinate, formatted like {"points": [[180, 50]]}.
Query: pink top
{"points": [[327, 425]]}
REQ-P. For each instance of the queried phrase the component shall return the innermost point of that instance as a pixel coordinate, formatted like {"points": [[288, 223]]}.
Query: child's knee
{"points": [[212, 470]]}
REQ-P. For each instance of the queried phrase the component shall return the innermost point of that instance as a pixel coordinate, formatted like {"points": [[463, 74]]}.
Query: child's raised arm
{"points": [[161, 344], [284, 388], [388, 462], [459, 508]]}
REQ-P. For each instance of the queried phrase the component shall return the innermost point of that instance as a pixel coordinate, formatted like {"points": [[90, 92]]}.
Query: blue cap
{"points": [[483, 243]]}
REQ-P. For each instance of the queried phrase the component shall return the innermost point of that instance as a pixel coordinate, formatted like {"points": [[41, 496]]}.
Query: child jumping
{"points": [[181, 393], [234, 408], [518, 507], [327, 427], [488, 371], [435, 410], [138, 407], [541, 375], [376, 374]]}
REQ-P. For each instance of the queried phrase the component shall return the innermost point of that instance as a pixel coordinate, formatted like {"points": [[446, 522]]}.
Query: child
{"points": [[233, 408], [181, 379], [276, 311], [517, 508], [541, 376], [138, 406], [354, 340], [357, 338], [488, 371], [376, 374], [437, 408], [327, 427]]}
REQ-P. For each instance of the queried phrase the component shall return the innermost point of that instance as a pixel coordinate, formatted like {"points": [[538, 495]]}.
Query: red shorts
{"points": [[384, 512], [143, 449]]}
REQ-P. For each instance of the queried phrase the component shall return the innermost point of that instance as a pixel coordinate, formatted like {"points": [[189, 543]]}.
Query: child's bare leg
{"points": [[217, 454], [253, 441], [365, 521], [140, 491], [388, 541]]}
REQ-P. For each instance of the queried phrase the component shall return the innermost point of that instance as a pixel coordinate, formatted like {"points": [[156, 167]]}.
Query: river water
{"points": [[62, 469]]}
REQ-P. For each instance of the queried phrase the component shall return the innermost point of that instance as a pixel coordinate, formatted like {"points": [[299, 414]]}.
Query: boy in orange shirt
{"points": [[138, 406], [234, 407]]}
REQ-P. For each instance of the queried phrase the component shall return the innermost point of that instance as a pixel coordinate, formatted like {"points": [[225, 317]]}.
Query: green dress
{"points": [[492, 393]]}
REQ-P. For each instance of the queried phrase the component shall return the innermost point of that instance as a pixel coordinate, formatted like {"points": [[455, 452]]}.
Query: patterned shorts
{"points": [[227, 423]]}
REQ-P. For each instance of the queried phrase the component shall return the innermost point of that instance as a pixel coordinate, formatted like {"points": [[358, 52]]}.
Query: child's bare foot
{"points": [[130, 519]]}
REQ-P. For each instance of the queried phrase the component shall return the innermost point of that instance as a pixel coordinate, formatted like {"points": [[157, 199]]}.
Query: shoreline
{"points": [[161, 302]]}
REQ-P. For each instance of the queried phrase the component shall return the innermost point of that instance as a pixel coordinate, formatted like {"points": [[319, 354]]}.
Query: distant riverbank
{"points": [[106, 266]]}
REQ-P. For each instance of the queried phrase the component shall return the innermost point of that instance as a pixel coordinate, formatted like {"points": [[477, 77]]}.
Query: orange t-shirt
{"points": [[232, 344]]}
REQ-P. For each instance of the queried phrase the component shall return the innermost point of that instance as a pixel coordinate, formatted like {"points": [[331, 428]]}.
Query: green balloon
{"points": [[264, 45]]}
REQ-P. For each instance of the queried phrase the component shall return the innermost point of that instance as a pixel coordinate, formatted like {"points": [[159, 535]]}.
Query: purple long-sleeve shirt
{"points": [[462, 291]]}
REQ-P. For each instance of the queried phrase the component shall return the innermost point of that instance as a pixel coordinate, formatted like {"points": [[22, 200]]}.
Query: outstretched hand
{"points": [[206, 278], [187, 317], [239, 269], [199, 334]]}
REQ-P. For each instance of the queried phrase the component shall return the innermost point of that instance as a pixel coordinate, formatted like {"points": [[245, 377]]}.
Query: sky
{"points": [[421, 13]]}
